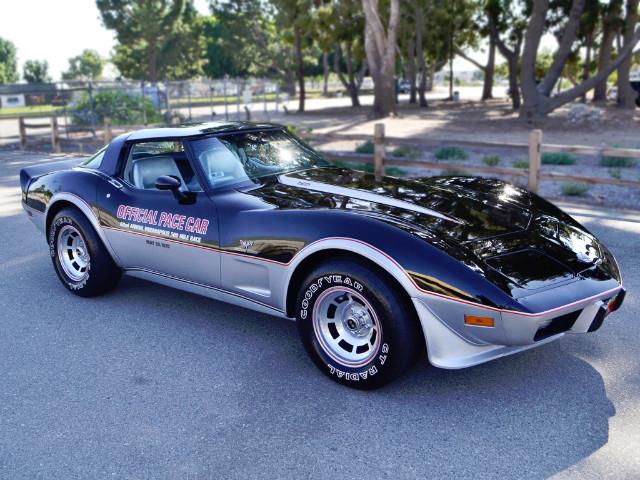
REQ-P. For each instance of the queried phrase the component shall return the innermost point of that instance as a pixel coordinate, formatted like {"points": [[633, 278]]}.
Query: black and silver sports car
{"points": [[371, 271]]}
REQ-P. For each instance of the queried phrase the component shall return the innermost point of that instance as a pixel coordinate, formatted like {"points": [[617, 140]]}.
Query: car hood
{"points": [[522, 243], [459, 208]]}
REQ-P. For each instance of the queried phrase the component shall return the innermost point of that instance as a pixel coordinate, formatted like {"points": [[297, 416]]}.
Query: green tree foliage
{"points": [[157, 39], [36, 71], [245, 32], [8, 62], [86, 66]]}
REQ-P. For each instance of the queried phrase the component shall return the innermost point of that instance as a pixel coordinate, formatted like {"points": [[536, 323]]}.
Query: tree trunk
{"points": [[422, 68], [412, 70], [626, 94], [300, 64], [380, 47], [351, 83], [325, 66], [606, 46], [514, 87], [586, 68], [487, 87], [537, 101], [153, 64]]}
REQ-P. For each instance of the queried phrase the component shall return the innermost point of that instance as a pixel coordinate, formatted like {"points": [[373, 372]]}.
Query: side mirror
{"points": [[173, 184], [168, 182]]}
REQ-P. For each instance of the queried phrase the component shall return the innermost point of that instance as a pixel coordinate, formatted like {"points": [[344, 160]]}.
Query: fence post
{"points": [[107, 130], [23, 133], [378, 151], [55, 138], [535, 140]]}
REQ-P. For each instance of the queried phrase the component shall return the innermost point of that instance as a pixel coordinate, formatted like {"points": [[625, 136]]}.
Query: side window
{"points": [[96, 160], [149, 160]]}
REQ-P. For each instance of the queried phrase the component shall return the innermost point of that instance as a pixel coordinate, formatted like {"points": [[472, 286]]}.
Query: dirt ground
{"points": [[495, 121]]}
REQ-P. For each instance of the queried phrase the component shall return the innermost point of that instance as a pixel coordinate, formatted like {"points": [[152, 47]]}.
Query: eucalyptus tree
{"points": [[380, 41], [340, 29], [626, 94], [611, 25], [539, 99]]}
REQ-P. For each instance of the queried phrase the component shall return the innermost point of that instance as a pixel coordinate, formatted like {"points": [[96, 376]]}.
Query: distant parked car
{"points": [[404, 86]]}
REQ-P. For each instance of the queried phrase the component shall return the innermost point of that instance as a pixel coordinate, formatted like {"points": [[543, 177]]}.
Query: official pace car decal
{"points": [[168, 224]]}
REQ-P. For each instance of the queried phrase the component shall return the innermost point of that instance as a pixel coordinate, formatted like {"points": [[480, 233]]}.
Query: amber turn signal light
{"points": [[478, 321]]}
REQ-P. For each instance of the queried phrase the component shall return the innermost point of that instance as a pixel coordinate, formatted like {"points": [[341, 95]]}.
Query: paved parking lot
{"points": [[148, 382]]}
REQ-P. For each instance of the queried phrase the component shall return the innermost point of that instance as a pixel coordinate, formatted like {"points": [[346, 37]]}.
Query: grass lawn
{"points": [[31, 111]]}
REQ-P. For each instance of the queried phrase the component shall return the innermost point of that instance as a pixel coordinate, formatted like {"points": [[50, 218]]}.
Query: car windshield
{"points": [[247, 156]]}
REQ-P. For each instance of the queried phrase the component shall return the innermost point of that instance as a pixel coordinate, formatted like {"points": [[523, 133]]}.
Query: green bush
{"points": [[574, 189], [558, 159], [122, 108], [366, 147], [617, 162], [491, 160], [406, 151], [615, 172], [292, 128], [451, 153], [520, 163]]}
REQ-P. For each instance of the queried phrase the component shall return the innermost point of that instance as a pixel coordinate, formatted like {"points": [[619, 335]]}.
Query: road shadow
{"points": [[534, 414]]}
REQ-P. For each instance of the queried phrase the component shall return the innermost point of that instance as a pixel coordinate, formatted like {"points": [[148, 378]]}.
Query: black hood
{"points": [[461, 208], [521, 242]]}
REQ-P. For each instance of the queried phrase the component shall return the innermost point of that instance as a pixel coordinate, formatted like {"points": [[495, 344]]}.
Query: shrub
{"points": [[616, 172], [366, 147], [122, 108], [406, 151], [618, 162], [491, 160], [574, 189], [292, 128], [520, 163], [559, 158], [451, 153]]}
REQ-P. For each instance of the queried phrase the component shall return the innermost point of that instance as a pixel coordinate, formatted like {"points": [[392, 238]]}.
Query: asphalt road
{"points": [[148, 382]]}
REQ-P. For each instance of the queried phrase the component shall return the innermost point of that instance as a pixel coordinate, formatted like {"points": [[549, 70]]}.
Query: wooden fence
{"points": [[534, 147], [54, 133]]}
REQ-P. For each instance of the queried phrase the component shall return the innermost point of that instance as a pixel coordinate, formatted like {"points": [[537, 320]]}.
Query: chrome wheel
{"points": [[346, 326], [73, 254]]}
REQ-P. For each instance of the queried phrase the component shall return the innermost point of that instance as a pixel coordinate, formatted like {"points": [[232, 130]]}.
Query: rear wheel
{"points": [[355, 325], [80, 259]]}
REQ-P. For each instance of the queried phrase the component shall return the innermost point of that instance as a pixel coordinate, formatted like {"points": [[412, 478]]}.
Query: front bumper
{"points": [[452, 344]]}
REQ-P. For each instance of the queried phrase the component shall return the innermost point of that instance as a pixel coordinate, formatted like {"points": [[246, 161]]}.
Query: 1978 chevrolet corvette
{"points": [[372, 272]]}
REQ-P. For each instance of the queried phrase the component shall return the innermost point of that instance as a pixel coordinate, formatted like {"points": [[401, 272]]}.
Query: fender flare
{"points": [[357, 247], [87, 211]]}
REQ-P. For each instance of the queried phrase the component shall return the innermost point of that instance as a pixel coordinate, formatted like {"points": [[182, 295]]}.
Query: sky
{"points": [[55, 30]]}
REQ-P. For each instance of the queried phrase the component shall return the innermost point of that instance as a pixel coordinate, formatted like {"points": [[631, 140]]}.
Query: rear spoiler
{"points": [[28, 174]]}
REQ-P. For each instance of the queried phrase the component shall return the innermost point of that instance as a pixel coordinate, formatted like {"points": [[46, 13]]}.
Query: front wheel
{"points": [[80, 259], [355, 325]]}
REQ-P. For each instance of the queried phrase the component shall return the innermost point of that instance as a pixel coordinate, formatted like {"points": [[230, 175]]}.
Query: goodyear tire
{"points": [[80, 259], [355, 325]]}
